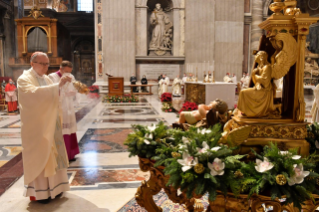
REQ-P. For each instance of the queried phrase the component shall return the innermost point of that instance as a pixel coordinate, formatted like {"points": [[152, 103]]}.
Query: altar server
{"points": [[177, 86], [45, 160], [67, 97]]}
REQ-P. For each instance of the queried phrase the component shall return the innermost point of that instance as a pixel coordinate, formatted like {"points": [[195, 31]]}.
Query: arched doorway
{"points": [[84, 57]]}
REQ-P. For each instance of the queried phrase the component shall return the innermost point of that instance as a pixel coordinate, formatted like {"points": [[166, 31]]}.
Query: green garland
{"points": [[197, 164]]}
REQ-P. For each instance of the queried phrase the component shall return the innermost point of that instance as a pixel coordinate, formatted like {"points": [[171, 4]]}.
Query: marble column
{"points": [[118, 33], [256, 32], [141, 27]]}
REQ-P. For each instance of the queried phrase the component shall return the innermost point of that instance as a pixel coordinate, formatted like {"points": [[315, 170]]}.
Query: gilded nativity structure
{"points": [[159, 105]]}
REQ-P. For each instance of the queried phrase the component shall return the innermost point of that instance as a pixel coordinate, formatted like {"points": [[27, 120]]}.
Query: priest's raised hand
{"points": [[64, 80]]}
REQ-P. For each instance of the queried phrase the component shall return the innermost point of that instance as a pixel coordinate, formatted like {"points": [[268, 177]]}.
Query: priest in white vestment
{"points": [[163, 85], [244, 81], [227, 78], [314, 110], [67, 95], [177, 86], [45, 159]]}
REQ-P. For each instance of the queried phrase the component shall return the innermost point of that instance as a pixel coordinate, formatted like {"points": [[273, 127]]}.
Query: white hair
{"points": [[38, 54]]}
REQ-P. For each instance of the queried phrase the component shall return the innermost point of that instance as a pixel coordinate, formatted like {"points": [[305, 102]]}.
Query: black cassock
{"points": [[133, 81], [144, 82]]}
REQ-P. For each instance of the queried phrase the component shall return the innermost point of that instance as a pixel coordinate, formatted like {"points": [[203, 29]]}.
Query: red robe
{"points": [[12, 100]]}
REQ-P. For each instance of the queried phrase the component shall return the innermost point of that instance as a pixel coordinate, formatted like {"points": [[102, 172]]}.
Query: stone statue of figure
{"points": [[311, 66], [161, 23]]}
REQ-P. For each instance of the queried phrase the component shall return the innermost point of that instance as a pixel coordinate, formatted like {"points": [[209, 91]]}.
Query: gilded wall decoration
{"points": [[28, 3]]}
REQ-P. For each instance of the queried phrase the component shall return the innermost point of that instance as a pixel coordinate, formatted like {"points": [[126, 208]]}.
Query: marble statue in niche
{"points": [[162, 33]]}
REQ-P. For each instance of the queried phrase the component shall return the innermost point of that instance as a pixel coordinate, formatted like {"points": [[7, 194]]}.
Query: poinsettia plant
{"points": [[94, 89], [166, 97], [189, 106], [167, 107]]}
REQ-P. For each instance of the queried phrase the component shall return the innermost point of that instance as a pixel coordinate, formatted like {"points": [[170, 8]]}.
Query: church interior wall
{"points": [[7, 36], [118, 33]]}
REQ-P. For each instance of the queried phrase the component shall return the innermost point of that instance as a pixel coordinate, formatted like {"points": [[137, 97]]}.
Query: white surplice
{"points": [[67, 95], [44, 155], [163, 86], [177, 87], [314, 110]]}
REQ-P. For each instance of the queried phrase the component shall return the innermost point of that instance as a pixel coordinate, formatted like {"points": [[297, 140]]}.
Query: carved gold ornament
{"points": [[279, 131], [199, 168], [269, 131], [35, 12], [281, 179], [176, 155], [284, 132], [300, 133], [239, 174]]}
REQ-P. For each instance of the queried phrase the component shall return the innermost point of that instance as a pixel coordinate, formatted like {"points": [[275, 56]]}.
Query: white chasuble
{"points": [[42, 140]]}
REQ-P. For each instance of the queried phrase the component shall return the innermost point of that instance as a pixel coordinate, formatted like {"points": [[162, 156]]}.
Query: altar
{"points": [[204, 93]]}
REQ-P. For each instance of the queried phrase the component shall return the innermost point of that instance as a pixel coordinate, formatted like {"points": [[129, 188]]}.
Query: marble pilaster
{"points": [[118, 19], [179, 27], [141, 27], [229, 32], [256, 32], [199, 36]]}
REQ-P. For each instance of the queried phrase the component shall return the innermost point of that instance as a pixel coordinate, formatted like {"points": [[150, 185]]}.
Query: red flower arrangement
{"points": [[166, 97], [94, 89], [94, 92], [189, 106]]}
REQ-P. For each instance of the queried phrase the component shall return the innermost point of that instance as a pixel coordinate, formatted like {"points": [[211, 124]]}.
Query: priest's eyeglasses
{"points": [[43, 64]]}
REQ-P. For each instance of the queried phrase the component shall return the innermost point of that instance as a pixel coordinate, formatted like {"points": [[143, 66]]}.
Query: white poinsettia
{"points": [[317, 144], [185, 140], [204, 149], [147, 141], [203, 131], [187, 162], [151, 129], [216, 148], [295, 157], [263, 166], [217, 167], [299, 175]]}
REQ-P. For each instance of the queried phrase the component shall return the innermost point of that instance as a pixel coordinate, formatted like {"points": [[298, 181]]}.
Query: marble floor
{"points": [[103, 177]]}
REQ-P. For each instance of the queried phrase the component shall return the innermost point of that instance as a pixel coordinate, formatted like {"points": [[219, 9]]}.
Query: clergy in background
{"points": [[163, 85], [177, 86], [11, 96], [45, 160], [314, 110], [67, 95]]}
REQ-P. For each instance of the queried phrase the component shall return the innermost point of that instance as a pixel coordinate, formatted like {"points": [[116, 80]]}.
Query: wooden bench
{"points": [[144, 93]]}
